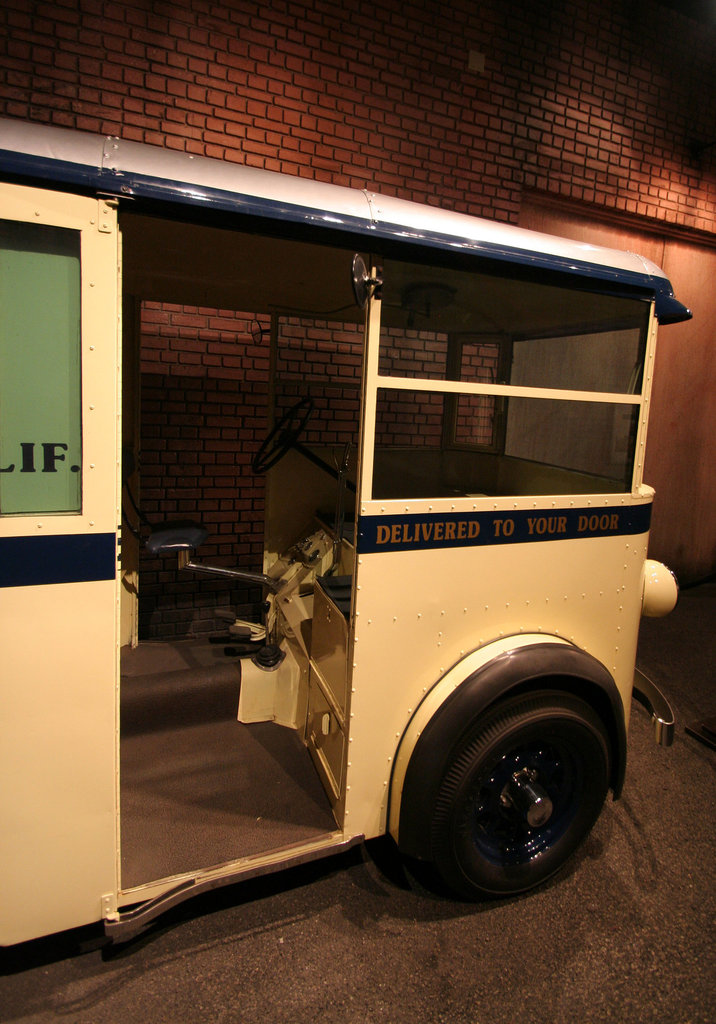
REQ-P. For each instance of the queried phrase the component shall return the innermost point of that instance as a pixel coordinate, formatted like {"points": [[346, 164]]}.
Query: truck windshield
{"points": [[498, 386]]}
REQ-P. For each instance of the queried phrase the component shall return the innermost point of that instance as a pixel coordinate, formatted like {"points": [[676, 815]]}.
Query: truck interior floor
{"points": [[198, 788]]}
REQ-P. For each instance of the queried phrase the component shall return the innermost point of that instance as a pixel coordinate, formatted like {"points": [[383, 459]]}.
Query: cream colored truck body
{"points": [[442, 581]]}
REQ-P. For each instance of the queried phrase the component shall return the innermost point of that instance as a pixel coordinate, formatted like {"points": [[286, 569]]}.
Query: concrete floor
{"points": [[625, 934]]}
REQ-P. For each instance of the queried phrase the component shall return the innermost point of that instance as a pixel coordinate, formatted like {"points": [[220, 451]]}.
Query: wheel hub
{"points": [[524, 793]]}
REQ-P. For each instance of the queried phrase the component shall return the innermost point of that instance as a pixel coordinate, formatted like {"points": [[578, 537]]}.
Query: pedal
{"points": [[239, 631], [248, 632]]}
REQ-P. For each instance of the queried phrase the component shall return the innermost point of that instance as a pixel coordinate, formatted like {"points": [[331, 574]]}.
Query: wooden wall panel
{"points": [[680, 462], [681, 458]]}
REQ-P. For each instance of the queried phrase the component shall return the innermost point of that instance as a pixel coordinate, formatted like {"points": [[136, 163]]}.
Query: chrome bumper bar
{"points": [[650, 696]]}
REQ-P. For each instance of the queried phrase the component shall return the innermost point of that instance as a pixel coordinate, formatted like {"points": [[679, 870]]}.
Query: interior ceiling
{"points": [[198, 265], [453, 301]]}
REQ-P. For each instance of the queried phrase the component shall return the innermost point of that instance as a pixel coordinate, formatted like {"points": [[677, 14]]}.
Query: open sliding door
{"points": [[58, 561]]}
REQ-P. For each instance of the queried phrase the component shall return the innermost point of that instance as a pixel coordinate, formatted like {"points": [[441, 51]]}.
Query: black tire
{"points": [[482, 844]]}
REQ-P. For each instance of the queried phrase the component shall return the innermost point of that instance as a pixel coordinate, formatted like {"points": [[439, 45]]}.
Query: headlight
{"points": [[660, 590]]}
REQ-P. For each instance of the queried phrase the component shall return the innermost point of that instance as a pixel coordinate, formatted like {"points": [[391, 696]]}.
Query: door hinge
{"points": [[106, 219], [109, 908]]}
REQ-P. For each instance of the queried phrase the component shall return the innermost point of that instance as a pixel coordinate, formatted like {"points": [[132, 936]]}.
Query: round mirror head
{"points": [[361, 281]]}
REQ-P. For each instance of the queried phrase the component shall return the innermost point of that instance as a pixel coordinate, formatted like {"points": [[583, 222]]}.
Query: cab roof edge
{"points": [[108, 163]]}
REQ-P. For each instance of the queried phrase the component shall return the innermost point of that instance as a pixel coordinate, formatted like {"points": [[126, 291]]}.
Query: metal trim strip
{"points": [[132, 170], [420, 532], [50, 560]]}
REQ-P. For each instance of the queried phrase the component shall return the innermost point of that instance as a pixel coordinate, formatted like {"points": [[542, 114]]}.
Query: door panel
{"points": [[58, 529]]}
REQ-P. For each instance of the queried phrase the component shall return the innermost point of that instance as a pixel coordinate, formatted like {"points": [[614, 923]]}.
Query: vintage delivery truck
{"points": [[442, 632]]}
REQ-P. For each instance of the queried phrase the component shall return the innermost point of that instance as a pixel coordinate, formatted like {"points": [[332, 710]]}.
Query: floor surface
{"points": [[198, 788], [624, 934]]}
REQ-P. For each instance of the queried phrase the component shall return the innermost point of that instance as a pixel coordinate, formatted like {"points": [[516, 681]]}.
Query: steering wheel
{"points": [[283, 436]]}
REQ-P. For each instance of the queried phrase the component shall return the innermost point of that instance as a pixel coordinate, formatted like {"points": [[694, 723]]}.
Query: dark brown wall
{"points": [[680, 462]]}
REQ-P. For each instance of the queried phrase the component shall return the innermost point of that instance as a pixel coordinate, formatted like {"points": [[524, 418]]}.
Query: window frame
{"points": [[55, 355], [456, 345], [100, 379], [452, 389]]}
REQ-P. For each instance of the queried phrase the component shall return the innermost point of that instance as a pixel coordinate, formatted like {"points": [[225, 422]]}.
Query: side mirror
{"points": [[362, 281]]}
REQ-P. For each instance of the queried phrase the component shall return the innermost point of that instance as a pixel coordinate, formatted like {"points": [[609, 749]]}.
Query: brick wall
{"points": [[204, 385], [204, 398], [322, 360], [609, 103], [464, 105]]}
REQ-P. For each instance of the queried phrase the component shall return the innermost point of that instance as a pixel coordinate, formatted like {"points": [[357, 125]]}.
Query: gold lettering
{"points": [[383, 535], [439, 531], [504, 527], [449, 531], [546, 524], [473, 529], [461, 530]]}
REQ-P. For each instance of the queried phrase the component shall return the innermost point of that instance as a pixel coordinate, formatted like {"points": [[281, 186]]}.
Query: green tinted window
{"points": [[40, 387]]}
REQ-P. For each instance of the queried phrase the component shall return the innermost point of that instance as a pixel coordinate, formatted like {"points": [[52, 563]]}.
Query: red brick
{"points": [[574, 103]]}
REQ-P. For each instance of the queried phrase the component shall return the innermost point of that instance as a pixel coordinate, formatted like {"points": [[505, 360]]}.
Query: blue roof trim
{"points": [[526, 258], [66, 171], [149, 187], [154, 188], [122, 183], [668, 308]]}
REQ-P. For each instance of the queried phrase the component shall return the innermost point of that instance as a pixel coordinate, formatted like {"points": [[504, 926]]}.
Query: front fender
{"points": [[514, 664]]}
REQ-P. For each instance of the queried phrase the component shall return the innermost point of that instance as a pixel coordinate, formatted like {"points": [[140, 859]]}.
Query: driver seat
{"points": [[171, 537]]}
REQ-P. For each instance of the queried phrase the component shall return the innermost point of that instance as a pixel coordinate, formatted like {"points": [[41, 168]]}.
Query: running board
{"points": [[650, 696], [125, 925]]}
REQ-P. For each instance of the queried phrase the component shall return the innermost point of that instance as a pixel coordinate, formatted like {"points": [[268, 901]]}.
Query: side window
{"points": [[504, 386], [609, 360], [476, 419], [40, 377]]}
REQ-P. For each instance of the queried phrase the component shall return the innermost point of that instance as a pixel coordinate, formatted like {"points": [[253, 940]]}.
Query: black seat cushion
{"points": [[180, 536]]}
